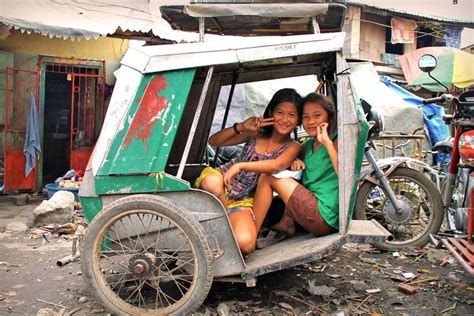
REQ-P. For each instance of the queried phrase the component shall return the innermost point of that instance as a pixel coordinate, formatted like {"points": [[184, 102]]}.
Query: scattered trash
{"points": [[407, 289], [333, 276], [373, 261], [71, 175], [408, 275], [16, 227], [83, 299], [68, 228], [312, 307], [395, 277], [423, 280], [320, 290], [435, 255], [361, 303], [444, 261], [359, 285], [223, 309], [50, 303], [76, 310], [46, 312], [69, 184], [286, 306], [372, 291], [453, 307], [419, 257]]}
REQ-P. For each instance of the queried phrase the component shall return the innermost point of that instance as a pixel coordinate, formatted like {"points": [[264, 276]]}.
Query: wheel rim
{"points": [[410, 193], [150, 271]]}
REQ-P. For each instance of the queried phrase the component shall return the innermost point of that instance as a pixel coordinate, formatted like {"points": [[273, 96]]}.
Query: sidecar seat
{"points": [[444, 146]]}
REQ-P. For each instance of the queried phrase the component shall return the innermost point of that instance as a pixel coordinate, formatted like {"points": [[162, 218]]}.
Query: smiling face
{"points": [[285, 116], [314, 115]]}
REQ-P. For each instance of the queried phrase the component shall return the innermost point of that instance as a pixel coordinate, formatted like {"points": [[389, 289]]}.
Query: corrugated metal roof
{"points": [[71, 19], [416, 16]]}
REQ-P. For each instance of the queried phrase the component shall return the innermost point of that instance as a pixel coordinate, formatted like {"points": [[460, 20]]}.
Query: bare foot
{"points": [[286, 225]]}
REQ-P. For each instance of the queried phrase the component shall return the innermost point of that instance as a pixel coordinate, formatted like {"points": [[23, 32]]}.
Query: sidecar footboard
{"points": [[291, 252], [369, 232], [307, 248]]}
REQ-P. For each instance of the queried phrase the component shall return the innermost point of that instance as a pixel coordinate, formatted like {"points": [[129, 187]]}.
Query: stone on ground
{"points": [[57, 210]]}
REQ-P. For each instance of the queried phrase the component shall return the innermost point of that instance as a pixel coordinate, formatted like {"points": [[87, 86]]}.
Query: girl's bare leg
{"points": [[244, 229], [214, 185], [264, 194]]}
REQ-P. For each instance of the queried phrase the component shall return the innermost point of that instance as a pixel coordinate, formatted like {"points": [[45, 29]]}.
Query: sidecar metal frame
{"points": [[156, 129]]}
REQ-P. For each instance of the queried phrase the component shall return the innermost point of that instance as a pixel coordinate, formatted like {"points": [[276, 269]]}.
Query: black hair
{"points": [[282, 95], [328, 106]]}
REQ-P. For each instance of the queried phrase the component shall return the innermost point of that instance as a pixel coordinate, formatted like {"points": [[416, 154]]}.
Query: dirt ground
{"points": [[356, 280]]}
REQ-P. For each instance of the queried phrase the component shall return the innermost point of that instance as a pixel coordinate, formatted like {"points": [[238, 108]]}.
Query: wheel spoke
{"points": [[420, 208], [147, 260]]}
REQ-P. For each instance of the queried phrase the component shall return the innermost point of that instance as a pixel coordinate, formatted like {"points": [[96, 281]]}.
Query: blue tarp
{"points": [[432, 113]]}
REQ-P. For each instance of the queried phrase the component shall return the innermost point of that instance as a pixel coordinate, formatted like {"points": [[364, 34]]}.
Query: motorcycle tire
{"points": [[421, 203]]}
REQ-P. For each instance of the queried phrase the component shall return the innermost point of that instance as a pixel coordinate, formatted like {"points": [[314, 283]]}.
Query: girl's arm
{"points": [[240, 132], [264, 166], [331, 147], [332, 151], [298, 163]]}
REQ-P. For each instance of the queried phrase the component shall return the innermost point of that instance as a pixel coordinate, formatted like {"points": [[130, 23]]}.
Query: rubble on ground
{"points": [[57, 210]]}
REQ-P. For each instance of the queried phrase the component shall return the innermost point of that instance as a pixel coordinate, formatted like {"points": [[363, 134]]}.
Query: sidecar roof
{"points": [[229, 50], [256, 18]]}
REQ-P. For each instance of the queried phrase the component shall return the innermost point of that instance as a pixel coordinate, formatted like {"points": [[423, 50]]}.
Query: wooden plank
{"points": [[291, 252], [362, 231]]}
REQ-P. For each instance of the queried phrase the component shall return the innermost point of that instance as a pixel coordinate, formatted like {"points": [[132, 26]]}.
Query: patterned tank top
{"points": [[245, 182]]}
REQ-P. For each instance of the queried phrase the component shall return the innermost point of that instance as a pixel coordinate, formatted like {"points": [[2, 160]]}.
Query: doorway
{"points": [[73, 114], [57, 125]]}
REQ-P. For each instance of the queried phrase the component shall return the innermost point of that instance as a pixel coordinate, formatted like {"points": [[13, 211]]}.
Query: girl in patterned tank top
{"points": [[268, 149], [314, 203]]}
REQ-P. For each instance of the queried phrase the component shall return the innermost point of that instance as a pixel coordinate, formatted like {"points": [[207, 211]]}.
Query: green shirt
{"points": [[320, 179]]}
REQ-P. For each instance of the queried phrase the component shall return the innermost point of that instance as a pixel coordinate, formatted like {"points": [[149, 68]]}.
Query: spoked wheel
{"points": [[421, 208], [145, 256]]}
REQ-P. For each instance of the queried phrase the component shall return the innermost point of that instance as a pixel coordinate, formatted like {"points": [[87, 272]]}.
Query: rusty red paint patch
{"points": [[149, 111]]}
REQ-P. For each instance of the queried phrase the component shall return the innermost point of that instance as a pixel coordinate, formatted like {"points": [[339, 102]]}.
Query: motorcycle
{"points": [[458, 186], [397, 193]]}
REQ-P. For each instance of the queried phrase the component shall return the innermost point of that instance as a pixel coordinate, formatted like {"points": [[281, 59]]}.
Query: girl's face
{"points": [[314, 115], [285, 117]]}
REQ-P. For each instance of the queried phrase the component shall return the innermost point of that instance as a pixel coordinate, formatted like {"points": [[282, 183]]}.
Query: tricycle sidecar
{"points": [[155, 244]]}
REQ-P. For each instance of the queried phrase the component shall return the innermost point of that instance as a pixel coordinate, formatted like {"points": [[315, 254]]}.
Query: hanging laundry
{"points": [[403, 31], [32, 139]]}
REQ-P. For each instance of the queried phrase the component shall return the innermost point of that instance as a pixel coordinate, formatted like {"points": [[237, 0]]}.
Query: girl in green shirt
{"points": [[314, 203]]}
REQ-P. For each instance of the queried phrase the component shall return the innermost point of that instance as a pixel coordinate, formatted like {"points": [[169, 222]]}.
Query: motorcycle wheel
{"points": [[142, 255], [421, 204]]}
